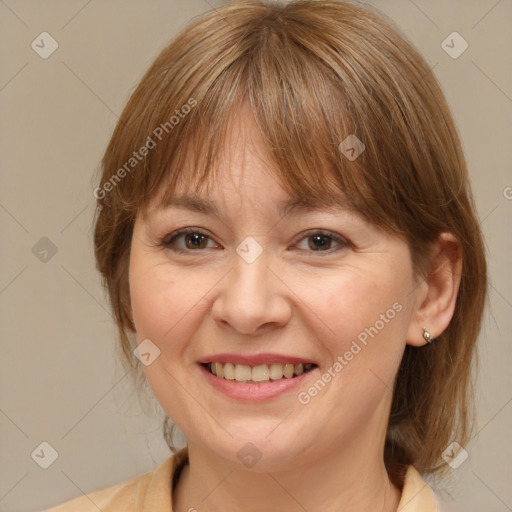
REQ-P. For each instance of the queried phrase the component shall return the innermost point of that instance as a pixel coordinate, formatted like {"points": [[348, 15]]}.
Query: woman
{"points": [[288, 238]]}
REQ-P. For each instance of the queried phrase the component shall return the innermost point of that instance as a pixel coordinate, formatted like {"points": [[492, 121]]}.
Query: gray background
{"points": [[60, 380]]}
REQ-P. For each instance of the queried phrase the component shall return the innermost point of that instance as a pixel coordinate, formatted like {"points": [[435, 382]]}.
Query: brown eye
{"points": [[193, 240], [318, 241]]}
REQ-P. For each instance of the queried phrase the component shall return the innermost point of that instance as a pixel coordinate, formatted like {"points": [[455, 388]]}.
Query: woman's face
{"points": [[254, 285]]}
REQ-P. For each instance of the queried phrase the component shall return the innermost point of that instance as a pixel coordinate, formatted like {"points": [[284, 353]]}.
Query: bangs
{"points": [[306, 166], [304, 108]]}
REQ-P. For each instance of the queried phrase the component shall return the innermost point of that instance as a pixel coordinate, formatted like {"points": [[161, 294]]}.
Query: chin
{"points": [[260, 452]]}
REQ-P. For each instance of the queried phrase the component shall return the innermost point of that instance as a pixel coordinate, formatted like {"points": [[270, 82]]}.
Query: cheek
{"points": [[168, 304], [364, 318], [167, 309], [152, 303], [363, 305], [158, 303]]}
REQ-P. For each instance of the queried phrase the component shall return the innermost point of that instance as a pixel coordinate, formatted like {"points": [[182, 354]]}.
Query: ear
{"points": [[436, 295]]}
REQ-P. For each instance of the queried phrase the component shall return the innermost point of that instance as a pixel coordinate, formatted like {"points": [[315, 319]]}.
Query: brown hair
{"points": [[313, 72]]}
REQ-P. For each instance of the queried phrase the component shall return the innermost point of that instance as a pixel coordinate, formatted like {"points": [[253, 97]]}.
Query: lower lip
{"points": [[250, 392]]}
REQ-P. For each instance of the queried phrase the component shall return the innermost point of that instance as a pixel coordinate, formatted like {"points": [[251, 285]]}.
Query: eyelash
{"points": [[169, 239]]}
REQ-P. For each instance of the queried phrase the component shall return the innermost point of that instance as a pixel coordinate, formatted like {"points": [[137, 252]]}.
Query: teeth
{"points": [[229, 371], [242, 372], [276, 371], [219, 370], [288, 370], [260, 373]]}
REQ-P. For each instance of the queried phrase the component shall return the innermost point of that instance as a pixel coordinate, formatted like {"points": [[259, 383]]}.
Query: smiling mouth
{"points": [[258, 374]]}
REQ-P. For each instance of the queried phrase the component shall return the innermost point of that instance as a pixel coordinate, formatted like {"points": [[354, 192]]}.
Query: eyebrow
{"points": [[289, 207]]}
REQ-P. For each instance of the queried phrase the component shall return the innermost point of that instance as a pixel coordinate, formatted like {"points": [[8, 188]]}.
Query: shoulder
{"points": [[91, 502], [150, 491], [417, 495]]}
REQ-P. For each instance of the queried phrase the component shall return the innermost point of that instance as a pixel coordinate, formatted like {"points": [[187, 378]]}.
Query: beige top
{"points": [[152, 492]]}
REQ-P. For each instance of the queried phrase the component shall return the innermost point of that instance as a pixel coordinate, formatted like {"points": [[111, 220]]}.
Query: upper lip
{"points": [[254, 360]]}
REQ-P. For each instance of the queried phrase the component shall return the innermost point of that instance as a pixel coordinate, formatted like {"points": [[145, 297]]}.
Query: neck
{"points": [[344, 481]]}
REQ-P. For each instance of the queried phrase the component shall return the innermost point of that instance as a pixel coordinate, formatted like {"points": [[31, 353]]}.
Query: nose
{"points": [[252, 298]]}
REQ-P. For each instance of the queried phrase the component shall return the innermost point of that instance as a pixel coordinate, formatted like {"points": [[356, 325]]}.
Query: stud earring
{"points": [[427, 336]]}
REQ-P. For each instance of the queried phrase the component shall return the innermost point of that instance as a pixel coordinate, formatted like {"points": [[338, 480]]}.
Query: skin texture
{"points": [[326, 454]]}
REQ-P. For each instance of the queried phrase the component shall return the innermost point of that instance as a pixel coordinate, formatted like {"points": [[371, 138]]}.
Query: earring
{"points": [[427, 336]]}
